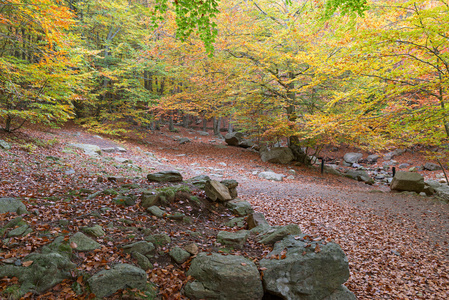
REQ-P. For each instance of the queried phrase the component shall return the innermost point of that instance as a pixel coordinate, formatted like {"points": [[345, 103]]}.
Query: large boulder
{"points": [[91, 150], [407, 181], [279, 155], [352, 158], [217, 191], [120, 276], [431, 167], [226, 277], [310, 269], [12, 205], [237, 139], [45, 271], [165, 176]]}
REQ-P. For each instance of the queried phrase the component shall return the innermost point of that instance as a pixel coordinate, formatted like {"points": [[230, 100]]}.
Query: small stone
{"points": [[236, 239], [156, 211], [143, 261], [96, 230], [179, 255], [192, 248], [18, 231], [83, 243]]}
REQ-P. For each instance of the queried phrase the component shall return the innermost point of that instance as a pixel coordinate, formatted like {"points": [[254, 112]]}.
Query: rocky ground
{"points": [[396, 243]]}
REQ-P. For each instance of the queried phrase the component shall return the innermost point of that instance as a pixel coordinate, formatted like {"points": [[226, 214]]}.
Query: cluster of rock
{"points": [[316, 268], [299, 267]]}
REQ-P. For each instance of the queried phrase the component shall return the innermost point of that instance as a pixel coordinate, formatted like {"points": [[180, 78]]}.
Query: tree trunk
{"points": [[204, 124], [185, 121], [217, 125], [171, 126], [230, 127]]}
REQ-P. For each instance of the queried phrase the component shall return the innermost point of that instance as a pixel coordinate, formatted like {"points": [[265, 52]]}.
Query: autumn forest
{"points": [[145, 143], [373, 78]]}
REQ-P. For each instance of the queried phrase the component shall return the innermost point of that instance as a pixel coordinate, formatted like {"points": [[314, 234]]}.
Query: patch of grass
{"points": [[11, 292]]}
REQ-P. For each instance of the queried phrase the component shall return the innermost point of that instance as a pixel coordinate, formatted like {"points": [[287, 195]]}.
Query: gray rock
{"points": [[159, 239], [142, 247], [236, 222], [394, 153], [199, 181], [310, 270], [143, 261], [18, 231], [123, 160], [280, 155], [95, 230], [342, 293], [271, 176], [84, 243], [352, 158], [12, 205], [46, 271], [109, 150], [203, 133], [229, 277], [120, 149], [91, 150], [120, 276], [184, 140], [235, 239], [126, 200], [239, 207], [431, 167], [149, 198], [439, 189], [359, 176], [407, 181], [69, 172], [403, 166], [179, 255], [217, 191], [231, 184], [237, 139], [4, 145], [165, 176], [331, 169], [278, 233], [256, 219], [156, 211], [372, 158]]}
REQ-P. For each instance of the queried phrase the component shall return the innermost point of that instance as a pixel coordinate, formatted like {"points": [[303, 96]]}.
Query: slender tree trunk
{"points": [[171, 126], [204, 124], [230, 127], [217, 125]]}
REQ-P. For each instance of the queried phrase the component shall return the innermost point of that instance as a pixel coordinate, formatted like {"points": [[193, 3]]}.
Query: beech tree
{"points": [[36, 82]]}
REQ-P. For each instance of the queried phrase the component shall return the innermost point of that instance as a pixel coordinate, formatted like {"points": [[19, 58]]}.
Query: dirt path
{"points": [[397, 244]]}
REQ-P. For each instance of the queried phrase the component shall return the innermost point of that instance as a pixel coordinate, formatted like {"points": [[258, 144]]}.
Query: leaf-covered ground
{"points": [[397, 244]]}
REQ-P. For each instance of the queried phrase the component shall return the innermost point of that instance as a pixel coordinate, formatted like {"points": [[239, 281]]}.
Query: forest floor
{"points": [[396, 243]]}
